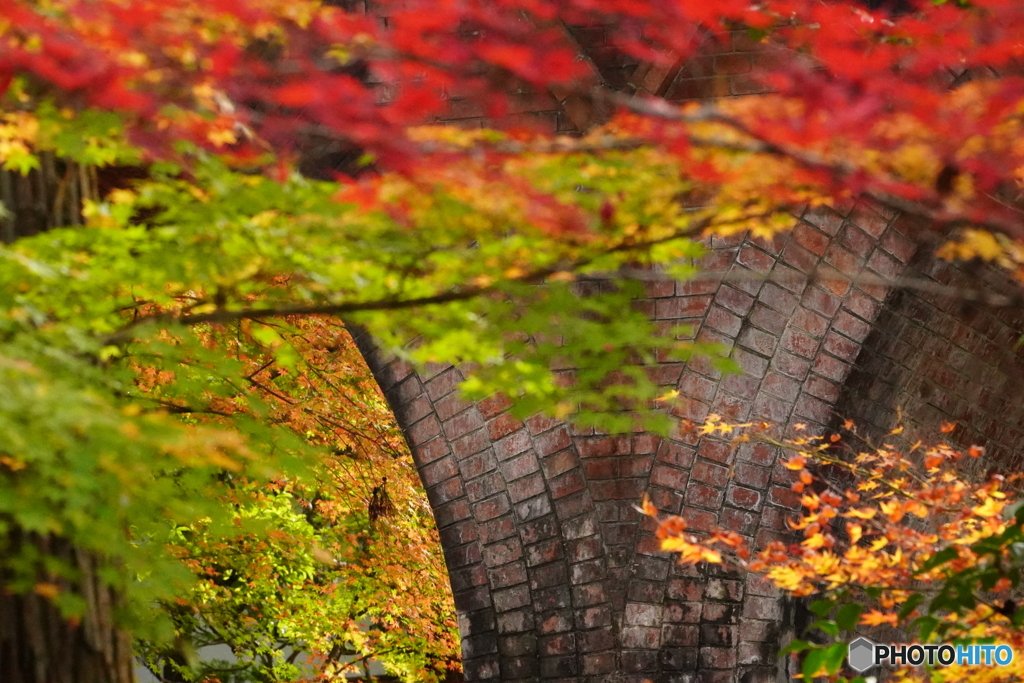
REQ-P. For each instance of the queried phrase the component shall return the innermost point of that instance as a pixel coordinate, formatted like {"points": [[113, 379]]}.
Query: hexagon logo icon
{"points": [[862, 655]]}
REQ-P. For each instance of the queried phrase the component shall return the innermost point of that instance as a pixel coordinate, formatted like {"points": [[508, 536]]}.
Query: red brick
{"points": [[439, 470], [741, 385], [822, 388], [810, 238], [458, 534], [544, 552], [478, 464], [601, 468], [511, 598], [780, 299], [723, 321], [703, 496], [698, 89], [640, 637], [751, 475], [526, 487], [772, 409], [496, 529], [517, 621], [471, 444], [497, 554], [452, 512], [717, 657], [414, 411], [447, 491], [465, 422], [511, 445], [541, 423], [819, 300], [443, 384], [898, 245], [811, 322], [520, 466], [717, 451], [869, 221], [884, 264], [841, 347], [750, 363], [757, 341], [708, 473], [568, 483], [830, 368], [861, 305], [675, 454], [617, 489], [812, 409], [856, 240], [784, 497], [450, 405], [824, 218], [742, 522], [782, 386], [686, 612], [681, 307], [492, 406], [731, 407], [768, 320], [589, 594], [468, 577], [745, 498], [791, 365], [503, 425], [757, 453], [559, 463], [582, 549], [746, 85], [733, 299], [602, 446], [635, 465], [424, 430], [485, 486], [799, 258], [800, 343]]}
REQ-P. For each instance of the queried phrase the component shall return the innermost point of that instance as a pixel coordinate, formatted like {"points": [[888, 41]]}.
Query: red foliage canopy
{"points": [[853, 85]]}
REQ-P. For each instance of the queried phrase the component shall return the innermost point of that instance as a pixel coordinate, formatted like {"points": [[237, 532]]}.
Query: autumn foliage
{"points": [[177, 353], [907, 539]]}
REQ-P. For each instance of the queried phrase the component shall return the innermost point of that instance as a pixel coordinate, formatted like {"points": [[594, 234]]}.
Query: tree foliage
{"points": [[913, 540], [180, 396]]}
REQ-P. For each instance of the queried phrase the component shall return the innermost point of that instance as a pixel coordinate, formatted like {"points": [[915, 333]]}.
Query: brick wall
{"points": [[555, 575], [932, 359]]}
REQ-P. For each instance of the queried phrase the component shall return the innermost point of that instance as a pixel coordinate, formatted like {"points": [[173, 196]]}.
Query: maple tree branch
{"points": [[389, 304], [759, 144]]}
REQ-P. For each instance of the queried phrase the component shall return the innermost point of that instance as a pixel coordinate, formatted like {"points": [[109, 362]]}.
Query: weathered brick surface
{"points": [[555, 575]]}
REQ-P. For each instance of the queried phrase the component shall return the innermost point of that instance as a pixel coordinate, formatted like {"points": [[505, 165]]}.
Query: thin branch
{"points": [[759, 144], [459, 293]]}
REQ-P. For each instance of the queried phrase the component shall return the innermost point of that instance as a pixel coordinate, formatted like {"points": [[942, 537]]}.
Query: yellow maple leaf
{"points": [[990, 508], [875, 618]]}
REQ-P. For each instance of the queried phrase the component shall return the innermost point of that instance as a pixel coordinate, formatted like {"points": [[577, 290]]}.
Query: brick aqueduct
{"points": [[554, 574]]}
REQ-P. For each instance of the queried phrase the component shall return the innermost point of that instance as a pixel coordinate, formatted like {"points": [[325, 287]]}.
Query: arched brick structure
{"points": [[554, 573]]}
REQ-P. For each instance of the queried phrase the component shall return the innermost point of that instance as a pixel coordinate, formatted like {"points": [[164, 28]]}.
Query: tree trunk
{"points": [[37, 645]]}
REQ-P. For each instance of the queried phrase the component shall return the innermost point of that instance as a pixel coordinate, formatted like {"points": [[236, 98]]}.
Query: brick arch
{"points": [[555, 575], [939, 357]]}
